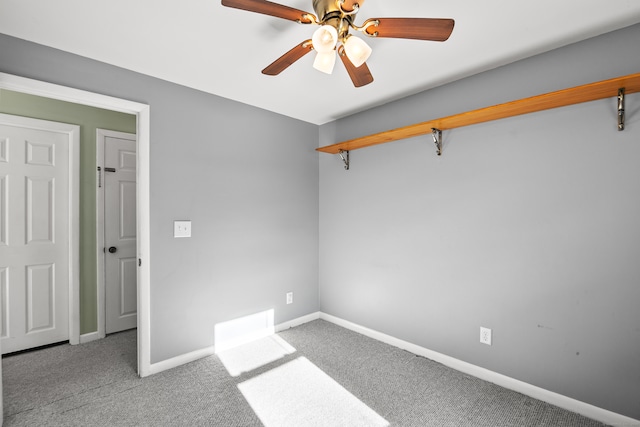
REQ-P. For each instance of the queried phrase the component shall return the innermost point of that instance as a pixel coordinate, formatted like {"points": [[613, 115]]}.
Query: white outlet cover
{"points": [[181, 228], [485, 335]]}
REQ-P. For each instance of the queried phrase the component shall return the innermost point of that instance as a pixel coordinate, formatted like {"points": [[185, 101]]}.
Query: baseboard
{"points": [[183, 359], [298, 321], [92, 336], [174, 362], [243, 330], [570, 404]]}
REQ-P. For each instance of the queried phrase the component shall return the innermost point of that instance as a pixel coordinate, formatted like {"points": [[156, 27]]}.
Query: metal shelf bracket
{"points": [[437, 139], [345, 160], [621, 109]]}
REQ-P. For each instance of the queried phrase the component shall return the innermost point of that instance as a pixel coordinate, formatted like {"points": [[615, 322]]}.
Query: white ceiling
{"points": [[204, 45]]}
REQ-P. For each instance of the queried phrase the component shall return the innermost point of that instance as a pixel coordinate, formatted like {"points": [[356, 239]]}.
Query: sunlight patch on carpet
{"points": [[247, 357], [299, 393]]}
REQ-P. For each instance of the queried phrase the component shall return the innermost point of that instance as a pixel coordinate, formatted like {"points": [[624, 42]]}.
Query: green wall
{"points": [[89, 119]]}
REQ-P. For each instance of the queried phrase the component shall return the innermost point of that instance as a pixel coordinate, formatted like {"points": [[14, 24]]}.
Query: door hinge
{"points": [[139, 262]]}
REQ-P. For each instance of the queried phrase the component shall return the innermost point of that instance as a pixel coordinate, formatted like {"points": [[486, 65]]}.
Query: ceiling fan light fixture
{"points": [[335, 19], [325, 61], [357, 50], [324, 39]]}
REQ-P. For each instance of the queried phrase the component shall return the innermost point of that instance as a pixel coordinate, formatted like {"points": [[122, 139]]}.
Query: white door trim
{"points": [[100, 236], [142, 112], [101, 134], [73, 137]]}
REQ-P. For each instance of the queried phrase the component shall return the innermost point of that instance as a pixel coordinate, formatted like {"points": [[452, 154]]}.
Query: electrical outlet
{"points": [[181, 228], [289, 297], [485, 335]]}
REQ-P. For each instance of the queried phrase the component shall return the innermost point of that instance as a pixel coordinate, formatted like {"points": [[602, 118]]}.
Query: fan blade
{"points": [[360, 76], [348, 4], [273, 9], [282, 63], [433, 29]]}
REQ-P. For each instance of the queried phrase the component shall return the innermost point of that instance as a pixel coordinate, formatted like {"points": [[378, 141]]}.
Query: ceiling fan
{"points": [[336, 18]]}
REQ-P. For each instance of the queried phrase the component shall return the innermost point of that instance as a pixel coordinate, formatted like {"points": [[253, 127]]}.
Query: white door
{"points": [[35, 231], [119, 172]]}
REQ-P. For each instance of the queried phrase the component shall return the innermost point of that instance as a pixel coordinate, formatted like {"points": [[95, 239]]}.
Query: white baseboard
{"points": [[570, 404], [199, 354], [243, 330], [180, 360], [298, 321], [92, 336]]}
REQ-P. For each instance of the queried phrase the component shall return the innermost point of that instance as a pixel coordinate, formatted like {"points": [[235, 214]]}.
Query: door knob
{"points": [[112, 250]]}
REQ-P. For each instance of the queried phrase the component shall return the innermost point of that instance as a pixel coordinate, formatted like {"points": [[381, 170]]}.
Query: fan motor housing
{"points": [[325, 9]]}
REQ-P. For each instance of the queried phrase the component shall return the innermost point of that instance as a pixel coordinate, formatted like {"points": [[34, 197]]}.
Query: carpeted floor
{"points": [[95, 384]]}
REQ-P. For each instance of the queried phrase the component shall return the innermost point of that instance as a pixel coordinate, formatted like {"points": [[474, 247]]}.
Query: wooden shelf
{"points": [[561, 98]]}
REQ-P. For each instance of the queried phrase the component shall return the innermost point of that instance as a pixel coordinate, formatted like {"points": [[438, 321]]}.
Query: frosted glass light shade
{"points": [[325, 61], [324, 39], [357, 51]]}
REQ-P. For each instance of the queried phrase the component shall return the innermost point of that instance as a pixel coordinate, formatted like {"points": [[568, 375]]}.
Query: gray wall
{"points": [[248, 180], [528, 225]]}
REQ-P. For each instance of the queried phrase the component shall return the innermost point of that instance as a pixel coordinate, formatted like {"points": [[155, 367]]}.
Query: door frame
{"points": [[72, 133], [142, 113], [101, 134]]}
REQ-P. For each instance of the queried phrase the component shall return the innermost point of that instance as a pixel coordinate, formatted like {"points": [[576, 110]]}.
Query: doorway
{"points": [[142, 113]]}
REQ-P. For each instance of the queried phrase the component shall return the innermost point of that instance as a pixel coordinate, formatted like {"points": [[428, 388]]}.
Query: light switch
{"points": [[181, 228]]}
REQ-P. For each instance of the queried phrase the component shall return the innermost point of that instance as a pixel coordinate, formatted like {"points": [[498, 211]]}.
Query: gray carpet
{"points": [[95, 384]]}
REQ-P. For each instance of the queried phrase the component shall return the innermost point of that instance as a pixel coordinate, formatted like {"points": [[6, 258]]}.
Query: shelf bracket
{"points": [[345, 160], [621, 109], [437, 139]]}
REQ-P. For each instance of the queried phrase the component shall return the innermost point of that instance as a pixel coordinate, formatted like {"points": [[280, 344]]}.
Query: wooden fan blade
{"points": [[348, 4], [360, 76], [282, 63], [273, 9], [433, 29]]}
